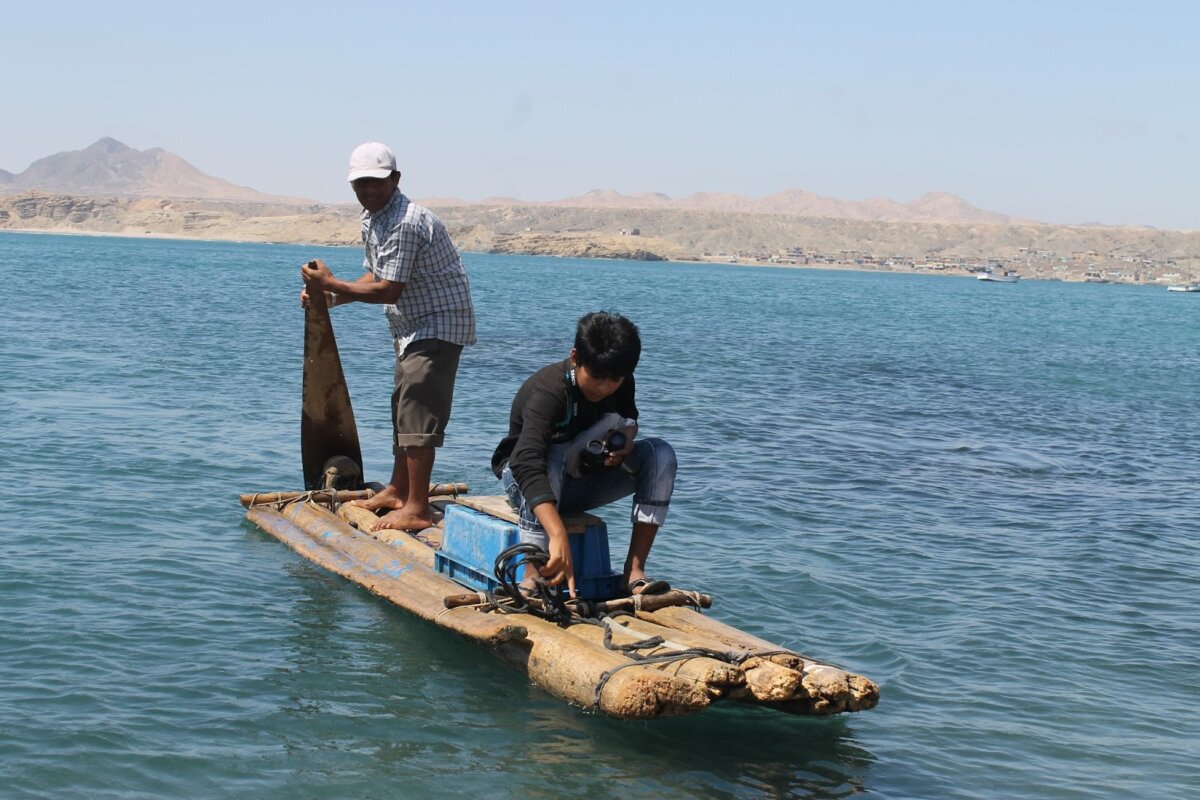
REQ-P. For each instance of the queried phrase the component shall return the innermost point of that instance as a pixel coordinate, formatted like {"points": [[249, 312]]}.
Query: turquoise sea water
{"points": [[985, 497]]}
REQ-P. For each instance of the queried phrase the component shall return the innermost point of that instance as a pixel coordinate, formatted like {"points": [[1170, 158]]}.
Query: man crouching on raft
{"points": [[570, 447], [414, 271]]}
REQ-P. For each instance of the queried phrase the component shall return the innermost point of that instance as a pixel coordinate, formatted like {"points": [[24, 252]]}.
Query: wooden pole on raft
{"points": [[590, 676], [342, 495], [763, 681], [448, 489], [319, 495], [380, 570], [713, 677], [418, 553], [593, 608], [825, 688]]}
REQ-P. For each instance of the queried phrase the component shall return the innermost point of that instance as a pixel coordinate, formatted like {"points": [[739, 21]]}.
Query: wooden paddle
{"points": [[326, 418]]}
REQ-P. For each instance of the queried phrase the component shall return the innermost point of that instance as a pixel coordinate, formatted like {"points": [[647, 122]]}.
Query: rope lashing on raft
{"points": [[320, 496]]}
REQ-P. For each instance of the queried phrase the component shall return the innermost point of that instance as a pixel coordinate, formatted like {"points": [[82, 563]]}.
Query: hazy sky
{"points": [[1057, 111]]}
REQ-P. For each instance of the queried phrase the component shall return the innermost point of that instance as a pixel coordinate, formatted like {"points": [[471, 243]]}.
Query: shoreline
{"points": [[836, 267], [1033, 252]]}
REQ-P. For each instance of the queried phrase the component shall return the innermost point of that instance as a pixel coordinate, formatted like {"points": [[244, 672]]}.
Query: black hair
{"points": [[607, 344]]}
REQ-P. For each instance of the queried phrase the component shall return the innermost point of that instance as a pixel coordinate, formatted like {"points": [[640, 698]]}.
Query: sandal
{"points": [[647, 586]]}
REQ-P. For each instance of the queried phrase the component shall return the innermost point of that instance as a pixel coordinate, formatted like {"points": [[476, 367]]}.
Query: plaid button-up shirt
{"points": [[407, 243]]}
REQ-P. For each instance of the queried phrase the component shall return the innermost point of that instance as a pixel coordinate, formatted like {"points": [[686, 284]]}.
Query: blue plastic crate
{"points": [[471, 541]]}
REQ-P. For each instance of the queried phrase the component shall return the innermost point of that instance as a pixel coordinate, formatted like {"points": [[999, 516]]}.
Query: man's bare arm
{"points": [[366, 289]]}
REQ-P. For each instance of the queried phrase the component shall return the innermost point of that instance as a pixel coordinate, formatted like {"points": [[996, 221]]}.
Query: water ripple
{"points": [[985, 501]]}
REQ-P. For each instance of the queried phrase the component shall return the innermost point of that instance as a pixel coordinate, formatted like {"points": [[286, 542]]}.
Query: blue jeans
{"points": [[648, 474]]}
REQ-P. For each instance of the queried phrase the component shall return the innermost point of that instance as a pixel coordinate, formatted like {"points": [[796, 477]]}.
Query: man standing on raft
{"points": [[413, 270]]}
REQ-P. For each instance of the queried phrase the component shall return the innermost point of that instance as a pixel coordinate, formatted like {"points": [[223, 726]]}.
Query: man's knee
{"points": [[658, 456]]}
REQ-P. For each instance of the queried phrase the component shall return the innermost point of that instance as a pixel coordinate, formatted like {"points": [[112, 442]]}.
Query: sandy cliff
{"points": [[1134, 254]]}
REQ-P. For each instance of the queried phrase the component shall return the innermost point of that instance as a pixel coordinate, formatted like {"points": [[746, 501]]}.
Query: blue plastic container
{"points": [[471, 541]]}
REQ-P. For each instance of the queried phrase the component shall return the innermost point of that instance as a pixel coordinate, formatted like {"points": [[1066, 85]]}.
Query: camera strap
{"points": [[572, 400]]}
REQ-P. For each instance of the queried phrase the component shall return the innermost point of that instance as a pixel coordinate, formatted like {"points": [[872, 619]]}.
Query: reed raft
{"points": [[681, 661]]}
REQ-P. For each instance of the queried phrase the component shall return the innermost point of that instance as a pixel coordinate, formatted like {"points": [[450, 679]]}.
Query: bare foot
{"points": [[403, 520], [387, 498]]}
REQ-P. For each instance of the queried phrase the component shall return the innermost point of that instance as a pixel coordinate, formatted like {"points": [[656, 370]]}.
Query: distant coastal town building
{"points": [[1087, 266]]}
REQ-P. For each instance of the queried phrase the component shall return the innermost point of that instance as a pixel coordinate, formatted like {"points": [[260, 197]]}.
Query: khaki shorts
{"points": [[424, 392]]}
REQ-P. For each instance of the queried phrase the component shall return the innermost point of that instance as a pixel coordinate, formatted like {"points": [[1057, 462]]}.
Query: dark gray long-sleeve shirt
{"points": [[549, 409]]}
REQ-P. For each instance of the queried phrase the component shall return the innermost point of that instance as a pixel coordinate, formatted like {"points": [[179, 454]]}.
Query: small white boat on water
{"points": [[1008, 276], [1190, 287]]}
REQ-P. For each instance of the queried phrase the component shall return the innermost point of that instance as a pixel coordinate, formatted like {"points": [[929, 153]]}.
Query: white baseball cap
{"points": [[371, 160]]}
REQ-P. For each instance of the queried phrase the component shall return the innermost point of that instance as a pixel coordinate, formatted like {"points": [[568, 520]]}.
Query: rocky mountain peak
{"points": [[109, 167], [108, 145]]}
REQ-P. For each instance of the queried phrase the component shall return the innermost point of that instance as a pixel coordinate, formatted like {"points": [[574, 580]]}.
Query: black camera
{"points": [[597, 450]]}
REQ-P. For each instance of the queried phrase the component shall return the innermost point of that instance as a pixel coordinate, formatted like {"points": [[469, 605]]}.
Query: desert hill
{"points": [[931, 207], [1066, 252], [110, 168], [715, 234], [111, 188]]}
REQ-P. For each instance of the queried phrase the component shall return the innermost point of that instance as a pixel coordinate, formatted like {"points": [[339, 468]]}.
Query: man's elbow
{"points": [[391, 291]]}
